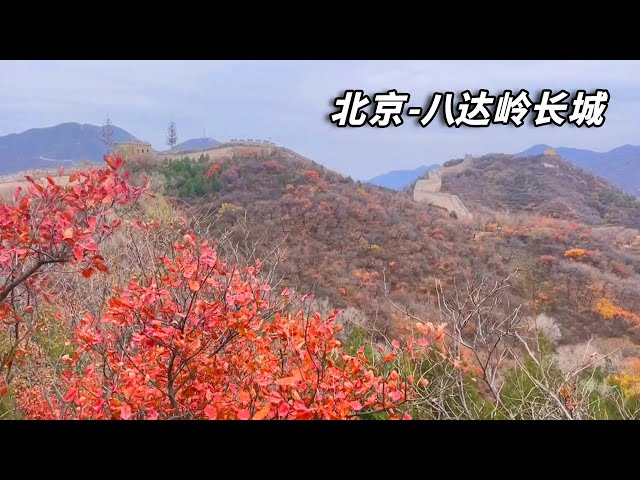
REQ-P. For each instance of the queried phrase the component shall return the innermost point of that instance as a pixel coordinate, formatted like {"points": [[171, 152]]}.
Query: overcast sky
{"points": [[289, 103]]}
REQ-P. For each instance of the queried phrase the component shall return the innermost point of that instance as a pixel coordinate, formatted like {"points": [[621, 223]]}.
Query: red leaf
{"points": [[356, 406], [243, 414], [194, 286], [283, 409], [78, 252], [71, 394], [389, 357], [86, 273], [189, 239], [262, 413], [114, 164], [101, 266], [125, 412], [92, 247], [287, 381], [396, 395], [210, 412]]}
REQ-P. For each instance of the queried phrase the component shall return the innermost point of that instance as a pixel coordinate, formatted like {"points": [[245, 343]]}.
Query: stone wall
{"points": [[130, 150], [428, 191], [433, 183]]}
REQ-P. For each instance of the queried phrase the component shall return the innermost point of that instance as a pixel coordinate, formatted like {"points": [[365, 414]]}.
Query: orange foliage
{"points": [[629, 378], [213, 170], [198, 340], [578, 254], [609, 311], [366, 277], [541, 299]]}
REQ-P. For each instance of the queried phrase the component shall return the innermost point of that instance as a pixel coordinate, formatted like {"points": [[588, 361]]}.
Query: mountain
{"points": [[358, 246], [399, 179], [194, 144], [60, 145], [621, 166], [541, 184]]}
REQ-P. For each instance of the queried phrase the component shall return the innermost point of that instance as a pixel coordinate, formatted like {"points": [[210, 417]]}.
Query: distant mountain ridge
{"points": [[399, 179], [194, 144], [621, 166], [59, 145], [546, 185]]}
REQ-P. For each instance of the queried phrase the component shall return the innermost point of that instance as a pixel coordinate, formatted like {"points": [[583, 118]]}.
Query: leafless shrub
{"points": [[498, 366], [547, 326]]}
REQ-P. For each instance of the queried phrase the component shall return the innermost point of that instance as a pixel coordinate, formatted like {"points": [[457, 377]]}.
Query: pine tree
{"points": [[108, 134], [172, 134]]}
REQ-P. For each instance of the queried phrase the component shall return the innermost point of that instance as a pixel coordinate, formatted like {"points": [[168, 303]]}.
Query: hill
{"points": [[546, 185], [399, 179], [621, 166], [194, 144], [517, 314], [354, 244], [60, 145]]}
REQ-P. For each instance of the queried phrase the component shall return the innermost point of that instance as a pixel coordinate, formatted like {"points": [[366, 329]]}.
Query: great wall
{"points": [[426, 190], [429, 190], [222, 151]]}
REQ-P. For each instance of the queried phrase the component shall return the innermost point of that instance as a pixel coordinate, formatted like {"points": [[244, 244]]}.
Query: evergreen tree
{"points": [[107, 134], [172, 134]]}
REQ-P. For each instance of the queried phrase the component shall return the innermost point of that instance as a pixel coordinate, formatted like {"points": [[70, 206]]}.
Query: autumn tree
{"points": [[608, 310], [194, 338], [184, 334], [172, 134], [47, 225]]}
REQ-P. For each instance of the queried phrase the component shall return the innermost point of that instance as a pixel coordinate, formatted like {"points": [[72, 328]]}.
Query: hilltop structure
{"points": [[132, 149]]}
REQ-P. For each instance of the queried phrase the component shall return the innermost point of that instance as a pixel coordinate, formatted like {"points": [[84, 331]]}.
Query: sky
{"points": [[289, 103]]}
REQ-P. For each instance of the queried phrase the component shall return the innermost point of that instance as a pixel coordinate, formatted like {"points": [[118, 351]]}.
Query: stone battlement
{"points": [[428, 190]]}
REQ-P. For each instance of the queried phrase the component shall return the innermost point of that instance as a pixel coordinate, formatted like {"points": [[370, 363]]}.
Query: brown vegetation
{"points": [[542, 185], [347, 242]]}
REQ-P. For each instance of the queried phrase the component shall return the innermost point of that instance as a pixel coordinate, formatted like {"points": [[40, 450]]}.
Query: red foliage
{"points": [[215, 169], [48, 223], [548, 260], [312, 174], [197, 339]]}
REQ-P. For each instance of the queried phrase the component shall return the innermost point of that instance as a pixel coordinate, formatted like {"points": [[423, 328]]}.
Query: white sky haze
{"points": [[289, 103]]}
